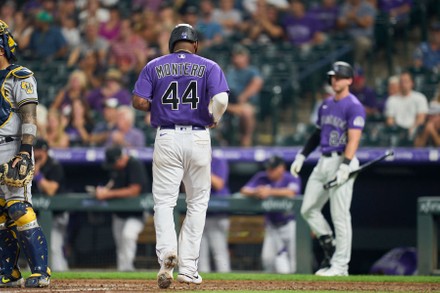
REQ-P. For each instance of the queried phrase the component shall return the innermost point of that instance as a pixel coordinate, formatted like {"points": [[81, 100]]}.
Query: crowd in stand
{"points": [[103, 44]]}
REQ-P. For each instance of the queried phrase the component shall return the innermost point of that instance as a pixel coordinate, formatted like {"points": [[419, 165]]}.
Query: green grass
{"points": [[243, 276]]}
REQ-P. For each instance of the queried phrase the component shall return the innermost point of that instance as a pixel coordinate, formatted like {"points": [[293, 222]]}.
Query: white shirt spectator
{"points": [[404, 109]]}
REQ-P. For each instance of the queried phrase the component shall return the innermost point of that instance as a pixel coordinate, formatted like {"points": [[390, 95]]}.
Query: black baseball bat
{"points": [[332, 183]]}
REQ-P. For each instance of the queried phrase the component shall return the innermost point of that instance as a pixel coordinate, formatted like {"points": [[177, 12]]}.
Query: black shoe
{"points": [[13, 280]]}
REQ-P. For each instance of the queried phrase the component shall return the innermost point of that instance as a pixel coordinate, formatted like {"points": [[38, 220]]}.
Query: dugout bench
{"points": [[234, 205]]}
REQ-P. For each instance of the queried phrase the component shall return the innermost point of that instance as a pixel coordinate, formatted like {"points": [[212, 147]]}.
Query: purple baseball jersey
{"points": [[180, 87], [334, 120], [219, 167], [293, 183]]}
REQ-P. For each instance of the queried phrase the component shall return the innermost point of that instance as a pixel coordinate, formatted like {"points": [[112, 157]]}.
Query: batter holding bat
{"points": [[186, 94], [341, 119]]}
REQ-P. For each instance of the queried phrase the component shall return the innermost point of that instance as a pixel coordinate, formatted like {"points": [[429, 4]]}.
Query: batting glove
{"points": [[342, 174], [296, 166]]}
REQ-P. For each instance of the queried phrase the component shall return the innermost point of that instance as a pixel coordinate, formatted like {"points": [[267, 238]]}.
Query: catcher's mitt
{"points": [[21, 174]]}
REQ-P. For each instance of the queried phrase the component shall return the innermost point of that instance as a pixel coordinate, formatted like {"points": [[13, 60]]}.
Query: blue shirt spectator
{"points": [[47, 42]]}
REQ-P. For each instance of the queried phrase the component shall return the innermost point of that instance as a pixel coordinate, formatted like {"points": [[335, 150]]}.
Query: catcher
{"points": [[18, 223]]}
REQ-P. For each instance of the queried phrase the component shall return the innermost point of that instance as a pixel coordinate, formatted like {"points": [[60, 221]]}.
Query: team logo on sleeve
{"points": [[359, 121], [27, 87]]}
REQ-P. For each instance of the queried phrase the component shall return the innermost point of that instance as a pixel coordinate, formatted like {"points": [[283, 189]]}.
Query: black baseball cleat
{"points": [[326, 242], [13, 280], [38, 280]]}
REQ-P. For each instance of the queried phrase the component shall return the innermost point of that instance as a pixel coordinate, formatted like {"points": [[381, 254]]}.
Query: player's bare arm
{"points": [[140, 103], [354, 137], [28, 114], [217, 182], [282, 192]]}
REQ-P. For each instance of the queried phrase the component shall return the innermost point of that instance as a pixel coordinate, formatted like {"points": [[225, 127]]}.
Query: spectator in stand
{"points": [[150, 5], [264, 26], [110, 29], [406, 110], [126, 134], [76, 88], [393, 87], [70, 31], [215, 235], [250, 6], [357, 18], [91, 42], [210, 30], [419, 72], [129, 49], [80, 123], [279, 245], [169, 18], [300, 28], [7, 11], [88, 63], [41, 121], [112, 88], [103, 128], [430, 51], [93, 12], [46, 43], [49, 181], [67, 9], [245, 84], [228, 17], [51, 7], [431, 130], [22, 30], [55, 135], [326, 14], [365, 94]]}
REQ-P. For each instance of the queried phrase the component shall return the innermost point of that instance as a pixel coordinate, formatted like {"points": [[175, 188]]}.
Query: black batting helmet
{"points": [[182, 32], [7, 42], [341, 69]]}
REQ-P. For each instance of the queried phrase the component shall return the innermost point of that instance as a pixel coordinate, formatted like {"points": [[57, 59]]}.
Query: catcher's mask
{"points": [[340, 69], [7, 42], [182, 32]]}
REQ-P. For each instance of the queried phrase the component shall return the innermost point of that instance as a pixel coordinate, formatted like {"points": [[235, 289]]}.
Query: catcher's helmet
{"points": [[7, 42], [341, 69], [182, 32]]}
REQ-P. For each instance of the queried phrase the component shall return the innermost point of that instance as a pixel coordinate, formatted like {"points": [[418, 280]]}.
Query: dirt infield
{"points": [[110, 286]]}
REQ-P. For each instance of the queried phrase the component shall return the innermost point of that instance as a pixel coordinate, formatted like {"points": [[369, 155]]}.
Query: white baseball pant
{"points": [[181, 154], [315, 197], [215, 242]]}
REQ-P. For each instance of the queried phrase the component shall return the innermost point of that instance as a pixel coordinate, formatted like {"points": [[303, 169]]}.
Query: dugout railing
{"points": [[234, 205]]}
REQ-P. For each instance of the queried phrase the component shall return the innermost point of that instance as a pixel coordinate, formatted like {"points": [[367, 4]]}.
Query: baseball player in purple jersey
{"points": [[341, 119], [19, 228], [279, 246], [215, 235], [186, 94]]}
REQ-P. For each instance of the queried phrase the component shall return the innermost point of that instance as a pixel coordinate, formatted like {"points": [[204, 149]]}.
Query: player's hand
{"points": [[342, 174], [296, 166], [101, 192]]}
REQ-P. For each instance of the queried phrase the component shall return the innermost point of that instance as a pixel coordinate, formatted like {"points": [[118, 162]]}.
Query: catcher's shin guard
{"points": [[30, 235], [326, 242], [9, 249]]}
